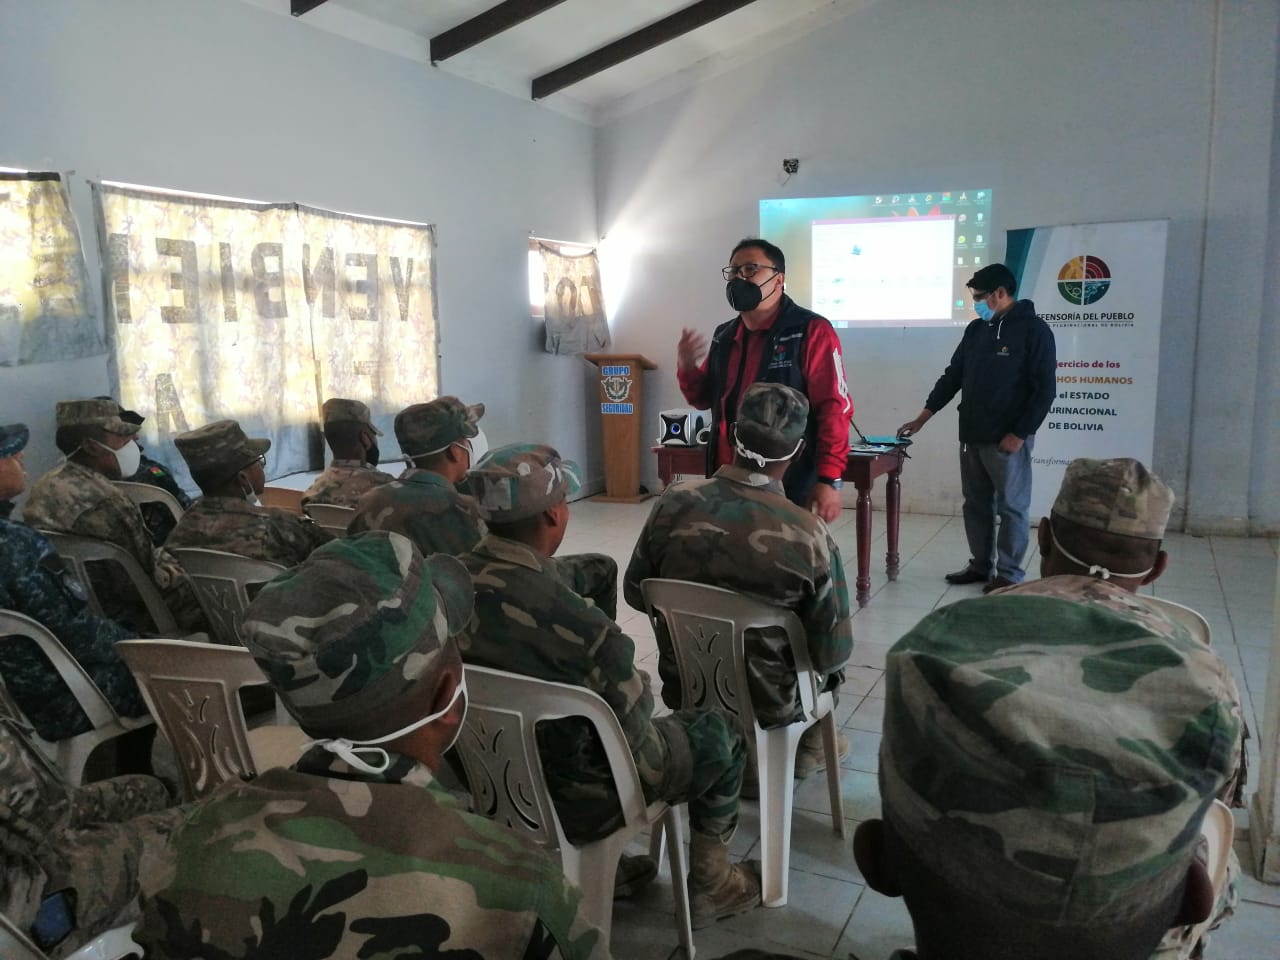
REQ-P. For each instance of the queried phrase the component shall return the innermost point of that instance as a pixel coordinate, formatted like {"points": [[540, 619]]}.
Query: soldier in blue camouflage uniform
{"points": [[1049, 753], [429, 503], [159, 519], [353, 472], [36, 582], [88, 846], [357, 851], [738, 530], [79, 497], [231, 470], [528, 621]]}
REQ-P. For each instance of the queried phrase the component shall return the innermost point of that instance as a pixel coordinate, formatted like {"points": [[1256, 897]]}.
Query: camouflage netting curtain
{"points": [[256, 311], [45, 312], [574, 307]]}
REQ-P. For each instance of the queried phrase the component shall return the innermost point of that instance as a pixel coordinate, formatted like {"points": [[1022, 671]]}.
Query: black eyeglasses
{"points": [[746, 270], [259, 459]]}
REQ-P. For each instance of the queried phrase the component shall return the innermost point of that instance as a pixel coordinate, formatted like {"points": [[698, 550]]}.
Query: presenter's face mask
{"points": [[744, 289], [982, 307]]}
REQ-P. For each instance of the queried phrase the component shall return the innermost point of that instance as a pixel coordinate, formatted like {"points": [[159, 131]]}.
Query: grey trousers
{"points": [[996, 484]]}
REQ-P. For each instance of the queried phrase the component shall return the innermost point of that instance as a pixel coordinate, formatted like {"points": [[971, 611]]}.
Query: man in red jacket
{"points": [[774, 340]]}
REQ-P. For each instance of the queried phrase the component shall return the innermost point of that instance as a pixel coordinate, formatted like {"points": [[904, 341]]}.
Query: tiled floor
{"points": [[831, 912]]}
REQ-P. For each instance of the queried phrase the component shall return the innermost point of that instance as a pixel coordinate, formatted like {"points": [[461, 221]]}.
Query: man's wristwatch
{"points": [[834, 483]]}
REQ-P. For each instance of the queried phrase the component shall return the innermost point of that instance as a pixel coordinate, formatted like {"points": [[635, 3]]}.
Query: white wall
{"points": [[218, 96], [1093, 110]]}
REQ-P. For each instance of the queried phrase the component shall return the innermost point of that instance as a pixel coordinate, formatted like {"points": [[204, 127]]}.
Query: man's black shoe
{"points": [[967, 575], [998, 583]]}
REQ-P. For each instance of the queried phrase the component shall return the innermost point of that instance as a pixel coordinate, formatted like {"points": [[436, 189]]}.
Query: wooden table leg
{"points": [[892, 509], [863, 532]]}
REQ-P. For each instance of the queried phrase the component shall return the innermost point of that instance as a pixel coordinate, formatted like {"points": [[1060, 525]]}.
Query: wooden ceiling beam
{"points": [[633, 44], [299, 7], [482, 26]]}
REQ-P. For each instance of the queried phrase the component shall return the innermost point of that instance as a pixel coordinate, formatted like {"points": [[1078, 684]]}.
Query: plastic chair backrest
{"points": [[331, 516], [141, 493], [1217, 833], [82, 551], [1196, 624], [114, 944], [707, 627], [282, 498], [192, 689], [222, 582], [499, 750], [72, 753]]}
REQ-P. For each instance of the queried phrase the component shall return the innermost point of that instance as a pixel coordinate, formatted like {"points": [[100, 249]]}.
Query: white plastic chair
{"points": [[1196, 624], [706, 626], [222, 581], [1217, 833], [73, 753], [82, 551], [499, 751], [192, 689], [114, 944], [141, 493], [331, 516]]}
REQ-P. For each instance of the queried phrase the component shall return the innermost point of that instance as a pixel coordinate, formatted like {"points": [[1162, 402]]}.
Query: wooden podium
{"points": [[621, 407]]}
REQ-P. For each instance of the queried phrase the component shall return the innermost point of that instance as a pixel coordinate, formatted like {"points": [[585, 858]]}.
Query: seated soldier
{"points": [[72, 856], [160, 520], [79, 498], [35, 581], [1108, 523], [231, 470], [442, 440], [351, 435], [739, 531], [528, 621], [356, 850], [1047, 760]]}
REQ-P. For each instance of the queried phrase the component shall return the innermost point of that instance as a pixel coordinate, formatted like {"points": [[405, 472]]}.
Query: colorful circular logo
{"points": [[1084, 280]]}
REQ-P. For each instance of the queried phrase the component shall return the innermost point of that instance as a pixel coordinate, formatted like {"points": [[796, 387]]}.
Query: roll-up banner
{"points": [[1100, 288]]}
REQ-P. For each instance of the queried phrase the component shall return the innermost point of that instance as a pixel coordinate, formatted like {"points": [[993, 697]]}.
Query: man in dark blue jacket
{"points": [[1006, 365]]}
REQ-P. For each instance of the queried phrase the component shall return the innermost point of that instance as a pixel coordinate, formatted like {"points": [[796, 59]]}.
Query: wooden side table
{"points": [[861, 470], [674, 461]]}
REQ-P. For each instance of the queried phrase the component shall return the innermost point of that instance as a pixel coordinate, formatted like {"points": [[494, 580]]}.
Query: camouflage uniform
{"points": [[76, 500], [215, 452], [346, 481], [425, 507], [738, 530], [98, 840], [528, 622], [429, 510], [337, 858], [35, 581], [236, 526], [1052, 749]]}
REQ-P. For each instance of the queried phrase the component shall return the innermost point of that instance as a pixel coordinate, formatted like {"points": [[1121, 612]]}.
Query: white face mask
{"points": [[479, 446], [348, 750], [128, 458]]}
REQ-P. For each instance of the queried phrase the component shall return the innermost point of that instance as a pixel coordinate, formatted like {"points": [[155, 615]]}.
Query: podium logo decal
{"points": [[616, 389]]}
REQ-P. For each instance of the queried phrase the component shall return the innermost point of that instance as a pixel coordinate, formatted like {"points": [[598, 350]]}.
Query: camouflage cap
{"points": [[98, 412], [219, 446], [430, 427], [13, 439], [338, 410], [1117, 496], [128, 416], [771, 419], [355, 637], [1055, 757], [521, 480]]}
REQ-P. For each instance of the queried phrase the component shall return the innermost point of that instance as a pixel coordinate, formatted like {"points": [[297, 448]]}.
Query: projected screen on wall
{"points": [[883, 260]]}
